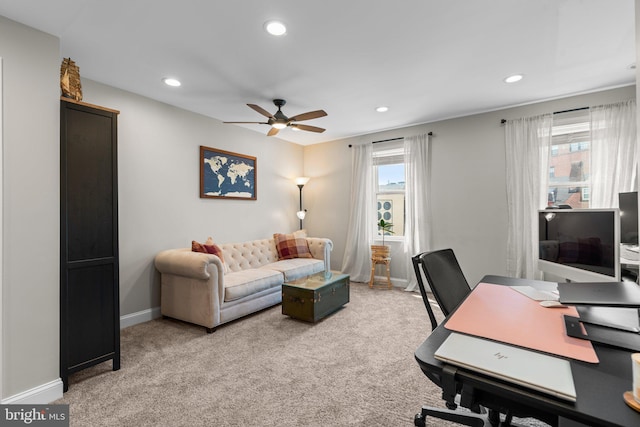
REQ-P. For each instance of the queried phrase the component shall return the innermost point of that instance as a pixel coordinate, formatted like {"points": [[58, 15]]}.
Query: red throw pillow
{"points": [[289, 246], [207, 248]]}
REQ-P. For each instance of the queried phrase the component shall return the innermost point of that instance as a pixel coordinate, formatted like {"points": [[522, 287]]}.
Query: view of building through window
{"points": [[570, 161], [390, 189]]}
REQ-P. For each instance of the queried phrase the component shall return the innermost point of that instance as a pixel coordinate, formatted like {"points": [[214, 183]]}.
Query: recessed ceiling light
{"points": [[171, 82], [382, 109], [514, 78], [275, 28]]}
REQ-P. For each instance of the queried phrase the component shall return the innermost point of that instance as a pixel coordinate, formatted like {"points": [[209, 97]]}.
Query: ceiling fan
{"points": [[279, 121]]}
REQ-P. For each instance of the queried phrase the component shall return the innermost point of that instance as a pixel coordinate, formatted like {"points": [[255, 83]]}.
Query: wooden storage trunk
{"points": [[314, 297]]}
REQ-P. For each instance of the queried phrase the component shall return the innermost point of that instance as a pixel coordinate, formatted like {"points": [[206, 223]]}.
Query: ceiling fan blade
{"points": [[261, 110], [308, 128], [308, 116], [272, 132], [257, 123]]}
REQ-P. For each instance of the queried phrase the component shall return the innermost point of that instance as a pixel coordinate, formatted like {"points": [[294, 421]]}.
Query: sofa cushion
{"points": [[247, 255], [240, 284], [296, 268], [291, 246]]}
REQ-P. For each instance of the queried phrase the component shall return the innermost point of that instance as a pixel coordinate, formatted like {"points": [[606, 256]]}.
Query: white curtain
{"points": [[418, 207], [362, 215], [614, 158], [528, 142]]}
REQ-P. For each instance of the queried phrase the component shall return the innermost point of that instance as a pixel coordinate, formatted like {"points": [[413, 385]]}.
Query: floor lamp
{"points": [[300, 182]]}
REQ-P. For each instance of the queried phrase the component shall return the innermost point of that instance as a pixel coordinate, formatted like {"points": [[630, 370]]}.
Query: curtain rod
{"points": [[391, 139], [503, 121], [387, 140]]}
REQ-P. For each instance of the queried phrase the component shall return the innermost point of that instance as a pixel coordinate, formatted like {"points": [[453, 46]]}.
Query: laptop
{"points": [[536, 294], [614, 294], [541, 372]]}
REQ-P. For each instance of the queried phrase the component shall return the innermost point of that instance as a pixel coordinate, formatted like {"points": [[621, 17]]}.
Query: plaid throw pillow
{"points": [[289, 246]]}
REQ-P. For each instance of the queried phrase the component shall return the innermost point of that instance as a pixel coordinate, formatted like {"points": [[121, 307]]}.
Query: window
{"points": [[570, 160], [390, 186], [585, 194], [579, 146]]}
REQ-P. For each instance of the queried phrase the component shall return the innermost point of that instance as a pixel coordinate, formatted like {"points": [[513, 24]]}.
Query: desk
{"points": [[599, 387]]}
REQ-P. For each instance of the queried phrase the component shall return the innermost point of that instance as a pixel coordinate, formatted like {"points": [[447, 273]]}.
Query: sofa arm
{"points": [[320, 248], [184, 262]]}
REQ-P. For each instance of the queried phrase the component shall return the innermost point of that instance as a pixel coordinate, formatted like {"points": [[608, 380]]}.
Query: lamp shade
{"points": [[301, 214], [302, 180]]}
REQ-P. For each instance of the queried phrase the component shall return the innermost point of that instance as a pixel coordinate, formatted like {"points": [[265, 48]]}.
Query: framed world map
{"points": [[227, 175]]}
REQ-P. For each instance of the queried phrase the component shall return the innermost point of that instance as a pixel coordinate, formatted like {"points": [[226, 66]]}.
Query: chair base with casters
{"points": [[453, 394], [487, 419], [465, 419]]}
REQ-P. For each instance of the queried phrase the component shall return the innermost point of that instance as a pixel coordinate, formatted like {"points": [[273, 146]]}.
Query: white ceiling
{"points": [[426, 60]]}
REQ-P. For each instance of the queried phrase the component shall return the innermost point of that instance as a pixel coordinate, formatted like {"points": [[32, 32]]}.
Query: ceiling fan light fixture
{"points": [[279, 120], [275, 28]]}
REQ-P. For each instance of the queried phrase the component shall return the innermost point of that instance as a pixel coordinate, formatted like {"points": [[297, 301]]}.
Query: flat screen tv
{"points": [[580, 245], [628, 203]]}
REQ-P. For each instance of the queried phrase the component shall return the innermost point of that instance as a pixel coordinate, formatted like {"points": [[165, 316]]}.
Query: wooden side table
{"points": [[380, 255]]}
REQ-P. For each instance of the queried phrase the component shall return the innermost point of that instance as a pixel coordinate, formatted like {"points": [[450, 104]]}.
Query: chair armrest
{"points": [[184, 262]]}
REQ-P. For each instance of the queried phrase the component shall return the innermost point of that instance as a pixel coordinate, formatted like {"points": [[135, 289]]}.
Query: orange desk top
{"points": [[500, 313]]}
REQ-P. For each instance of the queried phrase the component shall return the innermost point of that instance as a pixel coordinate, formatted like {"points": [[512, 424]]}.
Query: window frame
{"points": [[393, 154], [570, 135]]}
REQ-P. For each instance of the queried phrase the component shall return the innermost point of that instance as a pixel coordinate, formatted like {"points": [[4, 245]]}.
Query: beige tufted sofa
{"points": [[199, 288]]}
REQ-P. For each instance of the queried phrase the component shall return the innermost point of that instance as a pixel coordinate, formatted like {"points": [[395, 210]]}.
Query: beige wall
{"points": [[30, 168], [468, 189], [159, 178]]}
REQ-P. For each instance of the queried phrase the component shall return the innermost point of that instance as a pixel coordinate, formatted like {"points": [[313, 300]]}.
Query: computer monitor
{"points": [[628, 203], [580, 245]]}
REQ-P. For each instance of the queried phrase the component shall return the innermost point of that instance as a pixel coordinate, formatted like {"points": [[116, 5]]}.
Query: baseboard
{"points": [[40, 395], [139, 317], [399, 283], [51, 391], [395, 282]]}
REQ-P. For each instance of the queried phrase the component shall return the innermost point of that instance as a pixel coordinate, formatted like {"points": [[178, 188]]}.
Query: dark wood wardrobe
{"points": [[89, 286]]}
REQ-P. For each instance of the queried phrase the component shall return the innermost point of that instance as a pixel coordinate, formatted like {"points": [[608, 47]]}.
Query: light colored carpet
{"points": [[354, 368]]}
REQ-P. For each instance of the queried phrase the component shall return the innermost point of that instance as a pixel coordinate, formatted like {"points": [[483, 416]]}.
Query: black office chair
{"points": [[443, 272], [416, 268], [449, 287], [446, 279]]}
